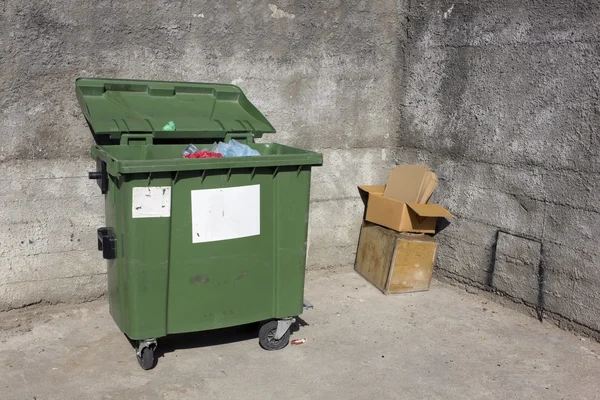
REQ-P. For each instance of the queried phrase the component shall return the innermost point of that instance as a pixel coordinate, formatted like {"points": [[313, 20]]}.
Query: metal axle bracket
{"points": [[145, 343], [282, 327]]}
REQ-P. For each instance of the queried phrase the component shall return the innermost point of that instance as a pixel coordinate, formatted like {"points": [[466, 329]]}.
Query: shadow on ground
{"points": [[215, 337]]}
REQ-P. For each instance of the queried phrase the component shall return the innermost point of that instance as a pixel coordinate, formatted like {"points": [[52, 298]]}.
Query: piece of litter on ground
{"points": [[298, 341]]}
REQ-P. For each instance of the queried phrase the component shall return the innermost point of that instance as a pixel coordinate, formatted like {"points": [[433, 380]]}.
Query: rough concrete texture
{"points": [[442, 344], [501, 99], [324, 73]]}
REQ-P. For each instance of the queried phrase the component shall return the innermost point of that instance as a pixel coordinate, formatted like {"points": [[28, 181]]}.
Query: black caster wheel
{"points": [[266, 337], [146, 358]]}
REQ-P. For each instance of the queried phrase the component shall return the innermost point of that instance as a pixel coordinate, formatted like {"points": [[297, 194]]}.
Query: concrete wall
{"points": [[501, 99], [324, 73]]}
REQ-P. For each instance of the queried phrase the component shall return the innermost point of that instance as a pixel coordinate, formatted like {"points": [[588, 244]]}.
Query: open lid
{"points": [[198, 110]]}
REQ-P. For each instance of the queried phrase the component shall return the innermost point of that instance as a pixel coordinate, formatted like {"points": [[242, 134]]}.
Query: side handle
{"points": [[242, 137], [107, 244], [100, 175]]}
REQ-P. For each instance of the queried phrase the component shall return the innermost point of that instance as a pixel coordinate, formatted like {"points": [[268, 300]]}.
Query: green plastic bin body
{"points": [[195, 244]]}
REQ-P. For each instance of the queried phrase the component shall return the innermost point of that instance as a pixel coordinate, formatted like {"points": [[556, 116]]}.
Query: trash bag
{"points": [[204, 154], [235, 149]]}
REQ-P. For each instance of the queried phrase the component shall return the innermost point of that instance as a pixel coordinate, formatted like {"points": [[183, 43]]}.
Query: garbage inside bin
{"points": [[193, 245], [231, 149], [234, 149], [190, 149], [204, 154]]}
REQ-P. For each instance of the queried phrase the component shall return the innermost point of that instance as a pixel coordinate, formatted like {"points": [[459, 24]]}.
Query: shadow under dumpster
{"points": [[214, 337]]}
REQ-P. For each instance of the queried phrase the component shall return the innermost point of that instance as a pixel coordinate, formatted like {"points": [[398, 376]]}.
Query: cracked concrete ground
{"points": [[441, 344]]}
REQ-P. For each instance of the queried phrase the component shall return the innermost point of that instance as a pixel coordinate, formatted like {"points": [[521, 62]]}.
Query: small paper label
{"points": [[151, 202], [223, 214]]}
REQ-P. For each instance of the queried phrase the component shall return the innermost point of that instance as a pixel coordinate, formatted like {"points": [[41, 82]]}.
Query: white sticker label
{"points": [[151, 202], [222, 214]]}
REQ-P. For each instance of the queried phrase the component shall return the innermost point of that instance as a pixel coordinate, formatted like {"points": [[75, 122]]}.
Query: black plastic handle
{"points": [[107, 244], [100, 175]]}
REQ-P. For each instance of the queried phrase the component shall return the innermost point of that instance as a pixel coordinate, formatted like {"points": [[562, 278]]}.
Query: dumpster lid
{"points": [[198, 110]]}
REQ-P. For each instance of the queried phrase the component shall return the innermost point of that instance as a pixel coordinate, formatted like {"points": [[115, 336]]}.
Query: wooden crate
{"points": [[395, 262]]}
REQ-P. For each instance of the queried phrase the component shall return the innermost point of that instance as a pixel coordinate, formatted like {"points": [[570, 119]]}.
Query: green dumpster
{"points": [[195, 244]]}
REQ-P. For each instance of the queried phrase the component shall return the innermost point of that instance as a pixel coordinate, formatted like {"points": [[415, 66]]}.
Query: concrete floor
{"points": [[441, 344]]}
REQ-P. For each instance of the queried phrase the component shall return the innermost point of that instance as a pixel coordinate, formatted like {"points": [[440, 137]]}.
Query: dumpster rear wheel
{"points": [[145, 354], [266, 337]]}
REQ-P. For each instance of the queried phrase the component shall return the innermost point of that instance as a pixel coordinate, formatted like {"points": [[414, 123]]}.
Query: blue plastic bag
{"points": [[234, 149]]}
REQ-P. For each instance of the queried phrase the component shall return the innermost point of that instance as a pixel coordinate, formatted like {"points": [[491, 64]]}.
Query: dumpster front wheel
{"points": [[267, 334], [145, 354], [146, 359]]}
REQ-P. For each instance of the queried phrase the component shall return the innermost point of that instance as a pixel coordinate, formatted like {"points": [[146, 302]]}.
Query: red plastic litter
{"points": [[204, 154]]}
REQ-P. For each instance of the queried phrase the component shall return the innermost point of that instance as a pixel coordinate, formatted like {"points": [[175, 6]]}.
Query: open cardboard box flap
{"points": [[405, 183], [365, 190], [411, 184], [429, 210]]}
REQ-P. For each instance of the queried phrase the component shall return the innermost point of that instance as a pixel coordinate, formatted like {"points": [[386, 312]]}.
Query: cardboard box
{"points": [[395, 262], [402, 204]]}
